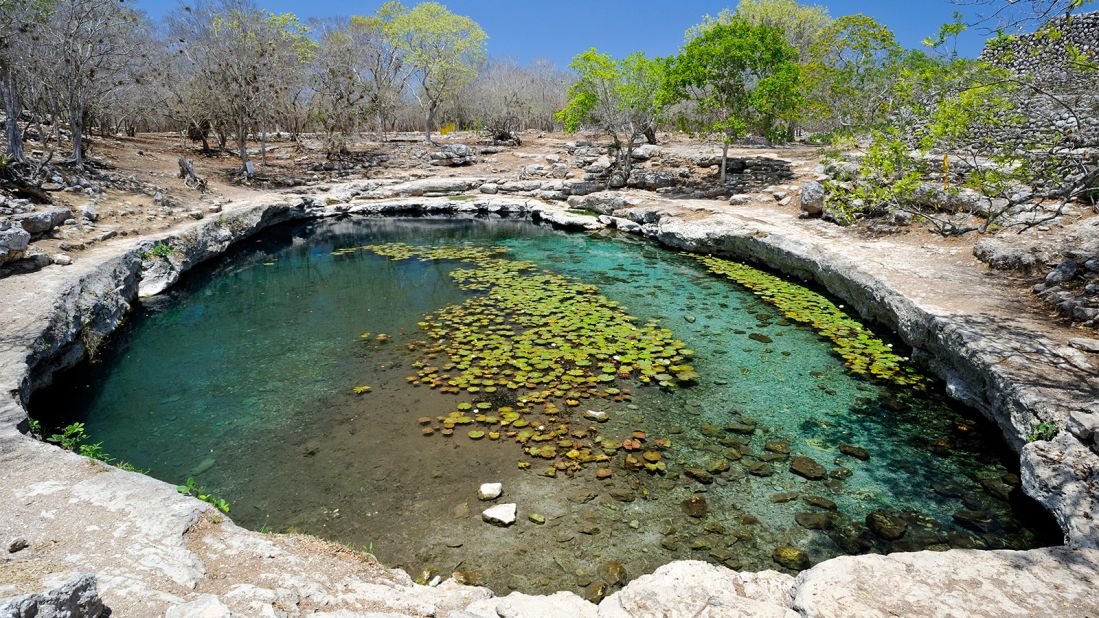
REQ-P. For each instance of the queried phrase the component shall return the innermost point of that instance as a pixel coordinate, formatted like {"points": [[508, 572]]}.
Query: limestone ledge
{"points": [[155, 552]]}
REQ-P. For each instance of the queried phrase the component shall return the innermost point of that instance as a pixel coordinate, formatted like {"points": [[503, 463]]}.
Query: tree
{"points": [[20, 22], [243, 63], [444, 51], [508, 97], [620, 98], [801, 24], [91, 46], [383, 60], [740, 78], [850, 72]]}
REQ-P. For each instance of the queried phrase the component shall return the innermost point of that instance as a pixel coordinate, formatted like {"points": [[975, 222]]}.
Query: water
{"points": [[242, 378]]}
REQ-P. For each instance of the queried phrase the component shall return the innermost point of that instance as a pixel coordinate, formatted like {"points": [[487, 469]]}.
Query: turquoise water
{"points": [[242, 378]]}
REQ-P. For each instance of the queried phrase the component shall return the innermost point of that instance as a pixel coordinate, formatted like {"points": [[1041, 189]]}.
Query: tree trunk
{"points": [[263, 145], [724, 160], [381, 125], [11, 109], [429, 121], [190, 178], [650, 135], [76, 126], [242, 145]]}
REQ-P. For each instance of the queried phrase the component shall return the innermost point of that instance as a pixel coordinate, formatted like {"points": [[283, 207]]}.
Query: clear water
{"points": [[241, 377]]}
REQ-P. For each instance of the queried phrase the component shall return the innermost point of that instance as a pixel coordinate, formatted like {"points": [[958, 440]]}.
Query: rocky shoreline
{"points": [[154, 551]]}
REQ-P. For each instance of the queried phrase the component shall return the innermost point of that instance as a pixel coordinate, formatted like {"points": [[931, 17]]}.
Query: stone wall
{"points": [[1043, 58], [1044, 55]]}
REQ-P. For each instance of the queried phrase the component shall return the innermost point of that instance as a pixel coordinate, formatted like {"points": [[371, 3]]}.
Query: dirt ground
{"points": [[155, 199]]}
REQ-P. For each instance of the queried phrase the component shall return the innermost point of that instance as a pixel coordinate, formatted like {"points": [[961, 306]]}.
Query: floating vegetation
{"points": [[862, 352], [529, 347]]}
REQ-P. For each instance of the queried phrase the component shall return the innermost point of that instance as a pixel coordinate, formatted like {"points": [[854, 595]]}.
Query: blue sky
{"points": [[557, 30]]}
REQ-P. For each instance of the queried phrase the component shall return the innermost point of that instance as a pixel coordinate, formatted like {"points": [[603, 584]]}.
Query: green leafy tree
{"points": [[850, 73], [443, 50], [621, 98], [740, 79], [801, 24]]}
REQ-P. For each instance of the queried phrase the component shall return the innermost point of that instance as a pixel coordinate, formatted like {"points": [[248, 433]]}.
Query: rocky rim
{"points": [[153, 551]]}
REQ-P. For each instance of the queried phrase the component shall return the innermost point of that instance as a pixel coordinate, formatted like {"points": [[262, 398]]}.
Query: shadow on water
{"points": [[242, 375]]}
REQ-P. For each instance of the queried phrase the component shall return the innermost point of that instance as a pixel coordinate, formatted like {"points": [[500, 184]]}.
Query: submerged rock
{"points": [[696, 506], [500, 515], [808, 468], [886, 525], [699, 475], [490, 491], [815, 521], [791, 557], [854, 451]]}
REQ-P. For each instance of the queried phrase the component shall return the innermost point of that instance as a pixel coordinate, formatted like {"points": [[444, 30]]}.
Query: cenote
{"points": [[359, 379]]}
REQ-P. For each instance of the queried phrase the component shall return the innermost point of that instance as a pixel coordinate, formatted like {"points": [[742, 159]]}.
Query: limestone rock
{"points": [[500, 515], [519, 605], [644, 152], [454, 155], [205, 606], [1054, 581], [76, 597], [13, 243], [812, 199], [43, 221], [695, 588], [790, 557], [886, 525]]}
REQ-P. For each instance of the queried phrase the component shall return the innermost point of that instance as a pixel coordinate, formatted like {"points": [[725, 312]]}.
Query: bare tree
{"points": [[92, 46], [243, 61]]}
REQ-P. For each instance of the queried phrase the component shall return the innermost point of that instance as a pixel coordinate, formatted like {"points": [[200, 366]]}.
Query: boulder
{"points": [[76, 597], [791, 557], [812, 199], [13, 243], [644, 152], [42, 221], [651, 180]]}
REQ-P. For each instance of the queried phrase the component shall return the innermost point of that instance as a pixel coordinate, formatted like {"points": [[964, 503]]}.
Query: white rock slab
{"points": [[500, 515]]}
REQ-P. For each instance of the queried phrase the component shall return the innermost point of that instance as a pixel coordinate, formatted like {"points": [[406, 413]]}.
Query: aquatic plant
{"points": [[529, 341], [862, 352]]}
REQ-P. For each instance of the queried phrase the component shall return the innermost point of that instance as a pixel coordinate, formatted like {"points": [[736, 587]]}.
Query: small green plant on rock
{"points": [[159, 250], [1044, 431], [74, 438], [191, 488], [70, 437]]}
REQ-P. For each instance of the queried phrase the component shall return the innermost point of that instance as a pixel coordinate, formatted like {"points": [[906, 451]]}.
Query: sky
{"points": [[559, 29]]}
